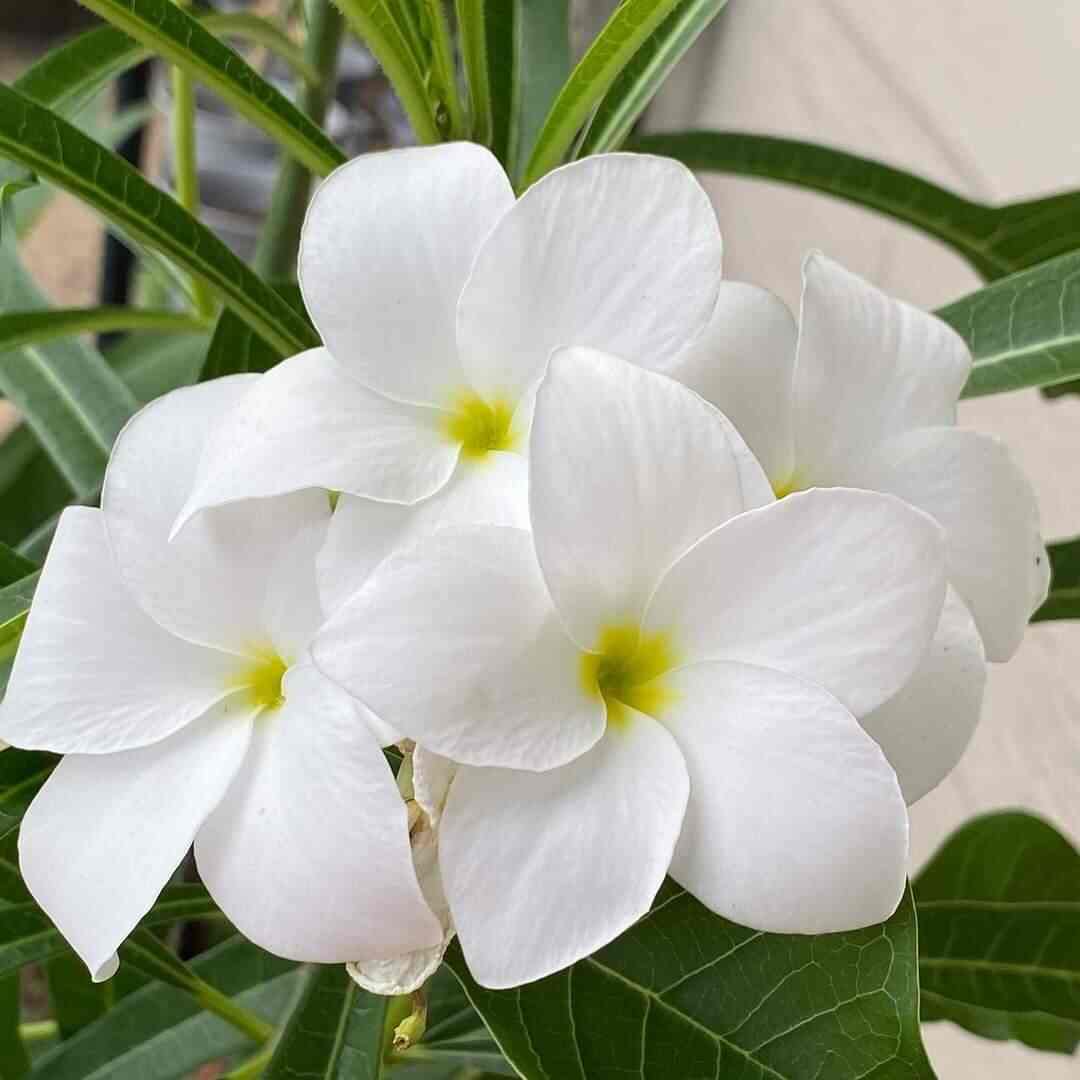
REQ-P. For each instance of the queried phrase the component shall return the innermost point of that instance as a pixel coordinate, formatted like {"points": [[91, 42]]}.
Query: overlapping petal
{"points": [[925, 728], [796, 823], [868, 368], [628, 470], [619, 252], [104, 835], [387, 246], [543, 869], [971, 484], [307, 424], [308, 853], [842, 588], [490, 491], [744, 363], [206, 585], [455, 643], [94, 674]]}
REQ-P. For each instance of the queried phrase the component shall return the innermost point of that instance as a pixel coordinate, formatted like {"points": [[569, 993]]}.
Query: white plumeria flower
{"points": [[663, 676], [176, 679], [863, 394], [439, 299]]}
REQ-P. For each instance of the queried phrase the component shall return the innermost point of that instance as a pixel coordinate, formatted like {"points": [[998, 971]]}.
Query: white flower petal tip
{"points": [[400, 975], [796, 823], [926, 727], [107, 970], [418, 215], [620, 252]]}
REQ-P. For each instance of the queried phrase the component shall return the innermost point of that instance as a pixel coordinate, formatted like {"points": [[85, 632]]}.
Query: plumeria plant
{"points": [[477, 639]]}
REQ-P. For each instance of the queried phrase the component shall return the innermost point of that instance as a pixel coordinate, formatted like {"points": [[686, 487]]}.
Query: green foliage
{"points": [[235, 349], [76, 1000], [1064, 599], [999, 932], [683, 993], [21, 328]]}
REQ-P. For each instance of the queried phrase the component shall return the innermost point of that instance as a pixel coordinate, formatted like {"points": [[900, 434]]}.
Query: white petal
{"points": [[491, 491], [208, 584], [432, 775], [308, 854], [973, 487], [292, 611], [387, 245], [619, 252], [543, 869], [105, 833], [925, 728], [628, 470], [307, 424], [94, 674], [455, 642], [868, 367], [841, 588], [796, 823], [744, 363]]}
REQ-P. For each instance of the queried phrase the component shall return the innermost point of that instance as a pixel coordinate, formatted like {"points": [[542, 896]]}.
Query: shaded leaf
{"points": [[999, 921], [13, 566], [22, 772], [76, 1000], [235, 349], [1064, 599], [686, 993], [14, 1059]]}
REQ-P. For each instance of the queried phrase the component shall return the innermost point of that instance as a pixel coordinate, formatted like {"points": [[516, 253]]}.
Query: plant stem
{"points": [[254, 1066], [213, 1000], [39, 1030], [275, 257], [186, 165]]}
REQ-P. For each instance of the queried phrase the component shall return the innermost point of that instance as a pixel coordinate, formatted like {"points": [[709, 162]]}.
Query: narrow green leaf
{"points": [[14, 1060], [624, 33], [376, 22], [14, 608], [19, 328], [1023, 330], [235, 349], [685, 993], [170, 32], [13, 566], [995, 240], [999, 921], [335, 1033], [473, 37], [77, 1001], [643, 76], [160, 1033], [154, 364], [44, 142], [261, 31], [22, 772], [1064, 599]]}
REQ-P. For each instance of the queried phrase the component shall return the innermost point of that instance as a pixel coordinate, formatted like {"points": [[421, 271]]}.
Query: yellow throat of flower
{"points": [[626, 669], [261, 679], [480, 426]]}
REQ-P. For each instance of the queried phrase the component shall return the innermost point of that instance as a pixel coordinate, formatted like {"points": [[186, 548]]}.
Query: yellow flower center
{"points": [[480, 426], [786, 486], [626, 669], [262, 679]]}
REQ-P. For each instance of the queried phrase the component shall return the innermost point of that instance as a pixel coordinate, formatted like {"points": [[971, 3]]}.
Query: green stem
{"points": [[254, 1066], [275, 257], [186, 165], [257, 1029], [442, 48], [39, 1030]]}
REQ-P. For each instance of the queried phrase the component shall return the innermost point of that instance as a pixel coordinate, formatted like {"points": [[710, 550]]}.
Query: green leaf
{"points": [[235, 349], [631, 24], [22, 772], [159, 1033], [14, 1060], [995, 240], [154, 364], [686, 993], [999, 930], [1064, 599], [44, 142], [335, 1033], [474, 35], [77, 1001], [170, 32], [14, 608], [1023, 330], [643, 76], [19, 328], [13, 566]]}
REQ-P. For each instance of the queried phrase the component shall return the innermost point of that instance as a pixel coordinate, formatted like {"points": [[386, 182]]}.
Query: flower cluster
{"points": [[642, 576]]}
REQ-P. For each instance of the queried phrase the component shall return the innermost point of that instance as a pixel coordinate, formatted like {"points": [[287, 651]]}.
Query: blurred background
{"points": [[977, 95]]}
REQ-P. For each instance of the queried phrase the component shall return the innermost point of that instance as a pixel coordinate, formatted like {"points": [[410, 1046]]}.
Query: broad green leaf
{"points": [[999, 930], [335, 1033], [14, 1060], [996, 240], [629, 27], [154, 364], [160, 1033], [170, 32], [686, 993], [77, 1001], [643, 76], [1023, 330], [543, 65], [20, 328], [235, 349], [376, 23], [33, 496], [44, 142], [1064, 599], [13, 566]]}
